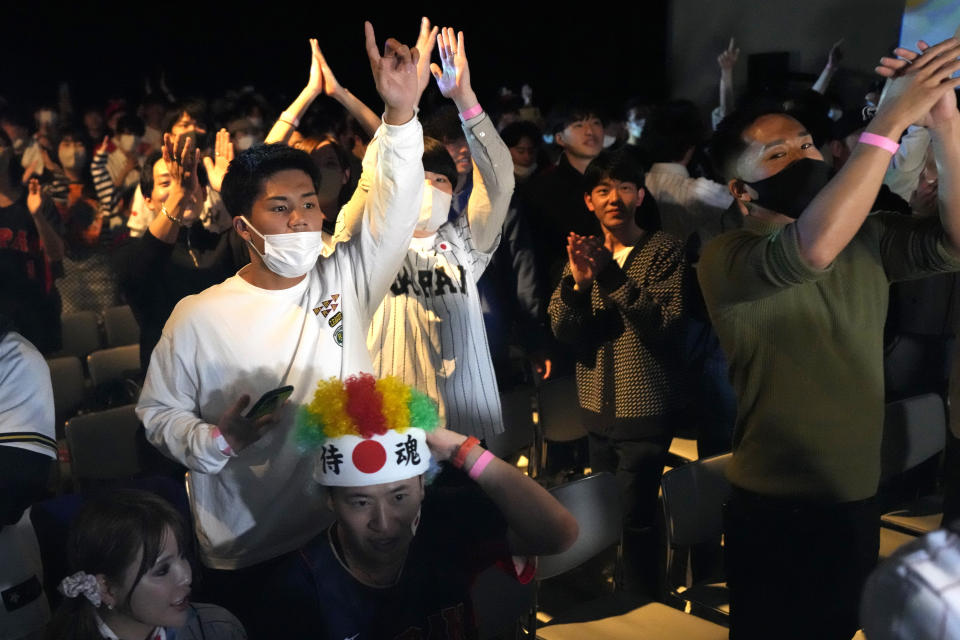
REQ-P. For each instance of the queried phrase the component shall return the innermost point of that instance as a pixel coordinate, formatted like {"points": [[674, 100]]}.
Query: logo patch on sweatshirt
{"points": [[329, 308]]}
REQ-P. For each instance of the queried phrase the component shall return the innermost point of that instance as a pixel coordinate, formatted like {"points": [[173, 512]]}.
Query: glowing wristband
{"points": [[222, 443], [879, 141], [480, 464], [472, 112], [460, 456]]}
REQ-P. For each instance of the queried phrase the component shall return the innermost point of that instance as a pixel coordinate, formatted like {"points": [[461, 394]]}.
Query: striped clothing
{"points": [[26, 398], [429, 329]]}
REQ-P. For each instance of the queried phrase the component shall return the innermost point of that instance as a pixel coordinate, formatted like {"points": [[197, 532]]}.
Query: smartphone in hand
{"points": [[270, 402]]}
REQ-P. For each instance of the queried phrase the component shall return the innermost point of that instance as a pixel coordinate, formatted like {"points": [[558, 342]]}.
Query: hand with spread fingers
{"points": [[222, 157], [182, 165], [453, 74], [395, 76], [920, 89]]}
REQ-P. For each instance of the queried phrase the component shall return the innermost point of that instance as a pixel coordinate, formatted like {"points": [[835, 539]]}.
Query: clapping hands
{"points": [[588, 257]]}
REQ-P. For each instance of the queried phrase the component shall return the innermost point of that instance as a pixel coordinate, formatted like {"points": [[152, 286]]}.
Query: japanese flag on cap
{"points": [[364, 431]]}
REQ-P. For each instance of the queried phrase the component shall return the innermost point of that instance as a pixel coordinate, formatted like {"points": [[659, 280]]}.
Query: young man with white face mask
{"points": [[287, 318], [429, 330]]}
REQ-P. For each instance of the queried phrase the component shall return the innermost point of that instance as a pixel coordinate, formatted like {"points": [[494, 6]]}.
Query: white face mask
{"points": [[289, 255], [608, 141], [434, 208], [72, 160], [127, 142]]}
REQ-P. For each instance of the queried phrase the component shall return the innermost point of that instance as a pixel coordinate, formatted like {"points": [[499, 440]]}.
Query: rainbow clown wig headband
{"points": [[365, 431]]}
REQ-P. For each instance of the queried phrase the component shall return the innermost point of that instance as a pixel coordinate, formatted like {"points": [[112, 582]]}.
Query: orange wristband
{"points": [[461, 455]]}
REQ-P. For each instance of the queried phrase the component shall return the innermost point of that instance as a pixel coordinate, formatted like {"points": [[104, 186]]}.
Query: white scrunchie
{"points": [[81, 583]]}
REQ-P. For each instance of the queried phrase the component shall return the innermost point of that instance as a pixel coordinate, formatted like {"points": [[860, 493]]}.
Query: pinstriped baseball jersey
{"points": [[429, 330]]}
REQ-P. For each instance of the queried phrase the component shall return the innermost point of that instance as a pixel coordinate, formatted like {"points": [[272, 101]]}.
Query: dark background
{"points": [[106, 50]]}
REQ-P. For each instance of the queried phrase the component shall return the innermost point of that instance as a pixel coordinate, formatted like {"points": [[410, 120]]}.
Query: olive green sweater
{"points": [[805, 349]]}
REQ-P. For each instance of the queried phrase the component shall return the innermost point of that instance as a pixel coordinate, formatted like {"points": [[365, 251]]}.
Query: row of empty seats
{"points": [[87, 331]]}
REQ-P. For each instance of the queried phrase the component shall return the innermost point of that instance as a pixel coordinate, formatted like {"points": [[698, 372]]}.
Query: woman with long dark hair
{"points": [[130, 577]]}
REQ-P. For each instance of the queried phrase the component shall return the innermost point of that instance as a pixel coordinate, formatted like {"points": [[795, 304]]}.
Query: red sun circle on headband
{"points": [[369, 456]]}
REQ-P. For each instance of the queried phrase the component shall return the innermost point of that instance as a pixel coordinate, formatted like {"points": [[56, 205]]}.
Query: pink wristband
{"points": [[221, 442], [879, 141], [472, 112], [480, 464]]}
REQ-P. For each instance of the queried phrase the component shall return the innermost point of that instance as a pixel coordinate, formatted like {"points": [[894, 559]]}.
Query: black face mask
{"points": [[790, 191]]}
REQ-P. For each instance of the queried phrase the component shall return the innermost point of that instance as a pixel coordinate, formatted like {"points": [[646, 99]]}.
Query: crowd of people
{"points": [[377, 280]]}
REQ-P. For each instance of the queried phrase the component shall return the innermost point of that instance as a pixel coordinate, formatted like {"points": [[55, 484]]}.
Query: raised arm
{"points": [[39, 205], [351, 215], [835, 215], [943, 124], [182, 194], [378, 243], [493, 180], [727, 60], [539, 524], [833, 63]]}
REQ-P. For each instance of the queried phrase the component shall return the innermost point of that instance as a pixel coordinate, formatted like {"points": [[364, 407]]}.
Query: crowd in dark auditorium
{"points": [[345, 370]]}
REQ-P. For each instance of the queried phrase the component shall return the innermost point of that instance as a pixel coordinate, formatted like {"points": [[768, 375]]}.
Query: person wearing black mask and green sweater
{"points": [[798, 298]]}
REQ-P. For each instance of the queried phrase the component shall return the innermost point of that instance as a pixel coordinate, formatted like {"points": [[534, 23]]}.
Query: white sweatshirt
{"points": [[235, 338]]}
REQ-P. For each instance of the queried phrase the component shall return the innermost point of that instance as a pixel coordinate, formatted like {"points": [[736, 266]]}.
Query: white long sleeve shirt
{"points": [[235, 338]]}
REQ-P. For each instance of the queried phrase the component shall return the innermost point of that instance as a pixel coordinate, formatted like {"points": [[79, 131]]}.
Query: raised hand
{"points": [[453, 77], [328, 82], [526, 92], [920, 89], [104, 146], [34, 196], [835, 57], [425, 42], [395, 75], [315, 81], [183, 174], [222, 156], [728, 57]]}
